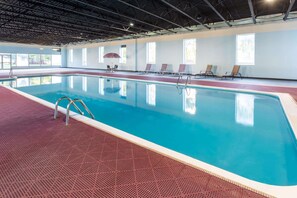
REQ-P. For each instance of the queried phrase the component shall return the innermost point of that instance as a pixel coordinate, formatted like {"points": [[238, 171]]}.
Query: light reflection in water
{"points": [[101, 86], [71, 82], [151, 94], [244, 109], [189, 101], [123, 88], [84, 84]]}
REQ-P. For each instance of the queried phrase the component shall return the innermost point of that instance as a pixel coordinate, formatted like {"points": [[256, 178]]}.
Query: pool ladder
{"points": [[72, 102], [180, 77]]}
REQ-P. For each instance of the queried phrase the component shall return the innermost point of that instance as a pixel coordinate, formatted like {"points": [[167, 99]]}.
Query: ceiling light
{"points": [[269, 1], [56, 49], [131, 24]]}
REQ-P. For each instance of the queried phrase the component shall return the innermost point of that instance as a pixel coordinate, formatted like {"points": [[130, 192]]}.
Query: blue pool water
{"points": [[246, 134]]}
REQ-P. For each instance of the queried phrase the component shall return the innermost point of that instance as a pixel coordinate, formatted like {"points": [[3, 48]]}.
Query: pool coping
{"points": [[288, 104]]}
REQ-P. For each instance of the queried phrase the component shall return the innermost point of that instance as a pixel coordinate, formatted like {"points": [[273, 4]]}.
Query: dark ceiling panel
{"points": [[58, 22]]}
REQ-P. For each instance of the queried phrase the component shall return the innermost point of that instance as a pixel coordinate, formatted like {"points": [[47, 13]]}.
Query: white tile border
{"points": [[288, 103]]}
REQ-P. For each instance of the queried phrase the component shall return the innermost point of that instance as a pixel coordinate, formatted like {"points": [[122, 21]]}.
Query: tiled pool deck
{"points": [[41, 157]]}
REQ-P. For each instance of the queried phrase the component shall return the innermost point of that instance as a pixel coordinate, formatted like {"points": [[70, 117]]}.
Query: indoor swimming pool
{"points": [[244, 133]]}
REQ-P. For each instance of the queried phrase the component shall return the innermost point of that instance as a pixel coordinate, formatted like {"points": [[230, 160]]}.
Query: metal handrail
{"points": [[180, 77], [72, 102], [188, 79], [65, 98]]}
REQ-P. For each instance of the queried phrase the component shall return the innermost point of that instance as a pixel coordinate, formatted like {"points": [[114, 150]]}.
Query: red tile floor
{"points": [[41, 157]]}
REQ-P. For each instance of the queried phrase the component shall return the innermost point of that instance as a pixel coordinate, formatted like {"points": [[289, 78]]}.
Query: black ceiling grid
{"points": [[60, 22]]}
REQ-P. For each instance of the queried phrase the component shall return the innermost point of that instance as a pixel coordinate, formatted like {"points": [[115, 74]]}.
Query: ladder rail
{"points": [[72, 102], [65, 98], [180, 78]]}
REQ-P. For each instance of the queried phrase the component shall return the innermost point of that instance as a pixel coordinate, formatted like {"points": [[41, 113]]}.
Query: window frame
{"points": [[101, 54], [84, 58], [240, 62], [148, 54], [123, 58], [71, 55], [185, 61]]}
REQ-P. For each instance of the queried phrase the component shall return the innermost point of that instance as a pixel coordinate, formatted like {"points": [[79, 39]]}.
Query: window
{"points": [[151, 94], [245, 49], [34, 59], [100, 54], [123, 54], [6, 61], [189, 51], [151, 53], [56, 60], [13, 60], [22, 60], [84, 56], [46, 60], [189, 101], [71, 55]]}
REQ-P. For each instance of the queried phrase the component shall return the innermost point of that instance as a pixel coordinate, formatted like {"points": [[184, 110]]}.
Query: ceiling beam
{"points": [[121, 15], [252, 11], [289, 9], [59, 15], [36, 17], [85, 14], [152, 14], [217, 12], [182, 12]]}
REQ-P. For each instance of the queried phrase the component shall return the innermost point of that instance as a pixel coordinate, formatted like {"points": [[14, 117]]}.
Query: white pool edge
{"points": [[288, 103]]}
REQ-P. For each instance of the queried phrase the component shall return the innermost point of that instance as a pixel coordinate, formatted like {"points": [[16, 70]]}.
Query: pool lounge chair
{"points": [[147, 69], [108, 68], [181, 70], [207, 72], [234, 73], [163, 69], [115, 68]]}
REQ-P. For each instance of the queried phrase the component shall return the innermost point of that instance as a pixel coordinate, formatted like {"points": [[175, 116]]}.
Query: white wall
{"points": [[276, 47], [93, 61]]}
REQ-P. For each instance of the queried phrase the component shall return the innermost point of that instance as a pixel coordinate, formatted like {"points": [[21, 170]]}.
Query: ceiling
{"points": [[60, 22]]}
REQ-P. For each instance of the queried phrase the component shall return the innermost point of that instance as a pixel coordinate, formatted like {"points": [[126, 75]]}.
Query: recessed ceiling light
{"points": [[269, 1]]}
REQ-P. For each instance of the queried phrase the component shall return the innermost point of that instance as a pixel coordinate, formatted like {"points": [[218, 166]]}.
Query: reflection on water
{"points": [[123, 88], [84, 84], [33, 81], [189, 100], [111, 86], [151, 94], [101, 86], [71, 82], [22, 82], [244, 109]]}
